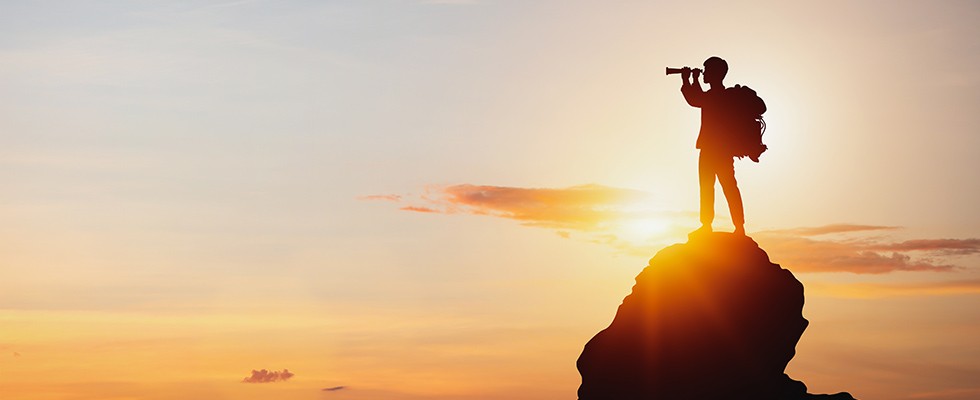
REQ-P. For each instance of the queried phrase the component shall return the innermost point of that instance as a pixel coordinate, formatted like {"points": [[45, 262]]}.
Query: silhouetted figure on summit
{"points": [[721, 137]]}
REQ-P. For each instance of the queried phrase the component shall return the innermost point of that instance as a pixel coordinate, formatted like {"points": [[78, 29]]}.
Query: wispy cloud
{"points": [[419, 209], [835, 229], [266, 376], [800, 251], [386, 197], [616, 217], [619, 218], [960, 247], [333, 389], [877, 290], [583, 207]]}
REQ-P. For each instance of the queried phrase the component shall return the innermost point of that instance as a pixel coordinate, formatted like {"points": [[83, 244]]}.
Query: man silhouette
{"points": [[715, 141]]}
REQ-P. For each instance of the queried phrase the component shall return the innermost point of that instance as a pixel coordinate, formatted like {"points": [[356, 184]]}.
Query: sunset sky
{"points": [[447, 199]]}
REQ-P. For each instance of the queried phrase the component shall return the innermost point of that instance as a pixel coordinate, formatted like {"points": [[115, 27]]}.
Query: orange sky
{"points": [[447, 199]]}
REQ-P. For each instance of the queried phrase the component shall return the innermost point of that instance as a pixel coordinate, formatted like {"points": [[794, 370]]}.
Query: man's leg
{"points": [[726, 176], [706, 178]]}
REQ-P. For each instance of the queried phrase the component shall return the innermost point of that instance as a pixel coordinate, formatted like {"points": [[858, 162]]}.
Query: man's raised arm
{"points": [[692, 91]]}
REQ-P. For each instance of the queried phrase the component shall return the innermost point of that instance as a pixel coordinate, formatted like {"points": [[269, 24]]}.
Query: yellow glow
{"points": [[643, 229]]}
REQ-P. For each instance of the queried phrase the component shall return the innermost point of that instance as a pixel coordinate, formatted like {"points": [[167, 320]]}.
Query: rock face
{"points": [[709, 319]]}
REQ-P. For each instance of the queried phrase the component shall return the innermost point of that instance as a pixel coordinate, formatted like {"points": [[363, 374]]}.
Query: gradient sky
{"points": [[447, 199]]}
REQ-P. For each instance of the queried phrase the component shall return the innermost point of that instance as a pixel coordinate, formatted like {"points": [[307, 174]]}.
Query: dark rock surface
{"points": [[709, 319]]}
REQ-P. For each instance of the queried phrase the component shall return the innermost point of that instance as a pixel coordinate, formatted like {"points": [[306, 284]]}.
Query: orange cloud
{"points": [[385, 197], [582, 207], [947, 246], [266, 376], [876, 290], [834, 228], [419, 209], [609, 217], [797, 249]]}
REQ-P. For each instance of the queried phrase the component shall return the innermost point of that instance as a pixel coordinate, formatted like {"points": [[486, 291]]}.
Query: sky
{"points": [[448, 199]]}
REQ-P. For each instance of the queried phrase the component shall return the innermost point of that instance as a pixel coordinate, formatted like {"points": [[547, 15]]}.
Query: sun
{"points": [[643, 229]]}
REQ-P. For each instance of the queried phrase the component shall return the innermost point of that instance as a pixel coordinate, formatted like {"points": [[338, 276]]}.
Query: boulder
{"points": [[709, 319]]}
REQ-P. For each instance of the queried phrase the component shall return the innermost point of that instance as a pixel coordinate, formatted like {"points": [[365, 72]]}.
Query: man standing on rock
{"points": [[715, 141]]}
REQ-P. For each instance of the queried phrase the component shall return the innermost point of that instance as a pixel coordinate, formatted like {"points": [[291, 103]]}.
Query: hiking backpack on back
{"points": [[746, 109]]}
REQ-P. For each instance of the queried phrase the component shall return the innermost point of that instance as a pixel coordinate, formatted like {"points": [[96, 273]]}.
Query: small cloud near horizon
{"points": [[266, 376], [616, 218], [386, 197], [419, 209], [333, 389]]}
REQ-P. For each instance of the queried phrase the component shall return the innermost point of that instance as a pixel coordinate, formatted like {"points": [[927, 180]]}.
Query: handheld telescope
{"points": [[671, 71]]}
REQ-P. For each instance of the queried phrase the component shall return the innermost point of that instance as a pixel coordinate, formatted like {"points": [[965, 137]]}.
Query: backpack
{"points": [[745, 109]]}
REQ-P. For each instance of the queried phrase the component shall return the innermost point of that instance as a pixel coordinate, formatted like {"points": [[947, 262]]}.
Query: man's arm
{"points": [[692, 91]]}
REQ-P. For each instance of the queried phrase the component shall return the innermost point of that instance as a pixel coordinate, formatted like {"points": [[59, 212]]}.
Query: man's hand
{"points": [[686, 74], [697, 73]]}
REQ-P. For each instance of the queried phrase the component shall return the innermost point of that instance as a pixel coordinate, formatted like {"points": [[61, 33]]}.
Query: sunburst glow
{"points": [[644, 229]]}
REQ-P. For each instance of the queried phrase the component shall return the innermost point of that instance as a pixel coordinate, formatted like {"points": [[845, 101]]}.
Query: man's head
{"points": [[715, 69]]}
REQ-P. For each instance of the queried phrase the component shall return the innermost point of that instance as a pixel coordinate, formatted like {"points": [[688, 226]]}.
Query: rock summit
{"points": [[709, 319]]}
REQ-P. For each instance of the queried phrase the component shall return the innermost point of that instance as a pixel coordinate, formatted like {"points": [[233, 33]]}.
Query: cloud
{"points": [[947, 246], [621, 219], [796, 250], [877, 290], [617, 217], [849, 248], [834, 229], [334, 389], [581, 207], [419, 209], [385, 197], [266, 376]]}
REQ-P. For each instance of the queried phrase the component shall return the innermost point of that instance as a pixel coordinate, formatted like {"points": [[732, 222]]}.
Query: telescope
{"points": [[671, 71]]}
